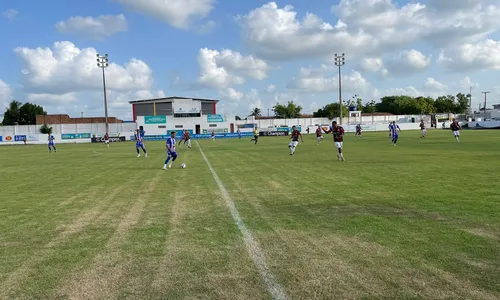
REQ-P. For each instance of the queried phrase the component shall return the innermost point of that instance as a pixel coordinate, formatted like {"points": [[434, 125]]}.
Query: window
{"points": [[162, 126], [179, 126], [212, 125], [187, 115]]}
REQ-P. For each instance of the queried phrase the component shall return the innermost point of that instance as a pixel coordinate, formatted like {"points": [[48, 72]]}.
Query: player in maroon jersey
{"points": [[358, 130], [319, 135], [422, 129], [455, 127], [106, 140], [187, 138], [338, 138], [295, 140]]}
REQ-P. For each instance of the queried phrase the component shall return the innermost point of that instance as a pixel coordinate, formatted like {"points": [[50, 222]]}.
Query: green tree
{"points": [[45, 129], [331, 111], [288, 111], [28, 113], [256, 112], [11, 115], [445, 104], [359, 104], [369, 107], [22, 114], [462, 105], [237, 118]]}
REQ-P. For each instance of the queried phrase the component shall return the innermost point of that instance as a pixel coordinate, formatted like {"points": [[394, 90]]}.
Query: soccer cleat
{"points": [[170, 166], [138, 155], [164, 168], [145, 155]]}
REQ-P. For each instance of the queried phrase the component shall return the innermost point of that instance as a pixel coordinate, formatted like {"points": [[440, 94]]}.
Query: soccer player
{"points": [[422, 129], [213, 135], [183, 137], [358, 130], [455, 127], [187, 138], [139, 144], [51, 143], [106, 140], [239, 134], [338, 138], [171, 153], [394, 128], [255, 136], [295, 140], [319, 135]]}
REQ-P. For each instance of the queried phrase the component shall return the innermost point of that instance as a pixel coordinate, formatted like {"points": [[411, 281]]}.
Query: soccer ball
{"points": [[183, 166]]}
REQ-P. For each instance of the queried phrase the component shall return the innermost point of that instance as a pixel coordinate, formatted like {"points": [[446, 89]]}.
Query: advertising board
{"points": [[75, 136], [215, 118], [186, 106], [155, 120]]}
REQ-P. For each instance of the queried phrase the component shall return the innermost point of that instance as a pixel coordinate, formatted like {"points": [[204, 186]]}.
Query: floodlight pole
{"points": [[339, 62], [470, 100], [485, 93], [102, 62]]}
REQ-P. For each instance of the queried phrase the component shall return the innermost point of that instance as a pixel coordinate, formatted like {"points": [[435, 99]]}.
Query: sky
{"points": [[245, 53]]}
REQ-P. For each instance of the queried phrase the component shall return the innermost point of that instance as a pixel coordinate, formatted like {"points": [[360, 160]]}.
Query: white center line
{"points": [[273, 287]]}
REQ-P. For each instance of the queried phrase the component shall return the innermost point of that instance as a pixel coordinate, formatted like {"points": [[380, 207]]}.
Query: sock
{"points": [[137, 150], [54, 148], [293, 150]]}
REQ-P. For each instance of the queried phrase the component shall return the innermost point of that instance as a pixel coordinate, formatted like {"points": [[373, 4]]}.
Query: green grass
{"points": [[416, 221]]}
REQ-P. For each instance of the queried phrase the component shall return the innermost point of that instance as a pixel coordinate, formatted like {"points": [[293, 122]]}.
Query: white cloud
{"points": [[218, 68], [408, 62], [271, 88], [319, 80], [367, 27], [407, 91], [231, 94], [65, 68], [178, 13], [97, 28], [372, 64], [432, 85], [5, 95], [52, 98], [10, 14], [484, 55]]}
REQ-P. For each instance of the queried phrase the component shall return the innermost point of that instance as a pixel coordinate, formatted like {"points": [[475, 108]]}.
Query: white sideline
{"points": [[273, 287]]}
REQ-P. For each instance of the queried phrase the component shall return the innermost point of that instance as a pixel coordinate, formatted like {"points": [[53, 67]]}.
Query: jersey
{"points": [[171, 145], [51, 140], [394, 128], [187, 136], [338, 133], [255, 132], [422, 126], [106, 137], [455, 127], [358, 128], [295, 135], [318, 132], [139, 140]]}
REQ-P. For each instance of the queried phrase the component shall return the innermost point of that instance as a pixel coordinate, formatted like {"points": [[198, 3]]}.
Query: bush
{"points": [[45, 129]]}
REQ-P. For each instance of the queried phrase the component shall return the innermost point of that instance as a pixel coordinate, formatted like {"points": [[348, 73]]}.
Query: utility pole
{"points": [[81, 114], [470, 100], [339, 62], [102, 62], [485, 93]]}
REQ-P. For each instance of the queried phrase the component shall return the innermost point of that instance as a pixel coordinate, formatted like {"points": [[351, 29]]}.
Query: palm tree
{"points": [[256, 112]]}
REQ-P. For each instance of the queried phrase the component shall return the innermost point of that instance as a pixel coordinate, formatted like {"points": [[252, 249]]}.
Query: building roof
{"points": [[171, 99]]}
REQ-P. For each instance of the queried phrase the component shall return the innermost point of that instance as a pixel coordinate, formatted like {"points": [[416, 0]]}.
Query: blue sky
{"points": [[245, 53]]}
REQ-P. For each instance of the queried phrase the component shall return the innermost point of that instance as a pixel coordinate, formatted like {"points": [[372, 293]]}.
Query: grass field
{"points": [[417, 221]]}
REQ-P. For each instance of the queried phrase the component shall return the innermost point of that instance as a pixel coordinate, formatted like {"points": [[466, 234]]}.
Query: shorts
{"points": [[106, 141], [456, 133], [139, 145], [338, 145], [424, 131], [293, 144], [51, 144]]}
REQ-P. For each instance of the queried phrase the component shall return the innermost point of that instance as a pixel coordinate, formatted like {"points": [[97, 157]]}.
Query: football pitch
{"points": [[416, 221]]}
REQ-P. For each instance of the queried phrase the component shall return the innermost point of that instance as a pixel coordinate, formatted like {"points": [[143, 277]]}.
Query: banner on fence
{"points": [[1, 138], [75, 136], [273, 133], [32, 138], [19, 138], [8, 138], [180, 132], [112, 139]]}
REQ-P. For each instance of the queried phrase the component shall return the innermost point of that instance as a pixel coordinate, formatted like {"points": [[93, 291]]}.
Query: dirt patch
{"points": [[483, 232]]}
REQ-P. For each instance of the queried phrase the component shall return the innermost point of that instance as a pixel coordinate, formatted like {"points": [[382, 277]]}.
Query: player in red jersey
{"points": [[106, 140], [295, 140], [187, 138], [319, 135], [358, 130], [213, 135], [422, 129], [338, 138], [455, 127]]}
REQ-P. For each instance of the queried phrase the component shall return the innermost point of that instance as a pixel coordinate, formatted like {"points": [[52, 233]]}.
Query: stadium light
{"points": [[485, 93], [102, 62], [339, 62]]}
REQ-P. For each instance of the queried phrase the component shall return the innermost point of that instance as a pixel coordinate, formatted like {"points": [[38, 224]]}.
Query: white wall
{"points": [[92, 128], [186, 123]]}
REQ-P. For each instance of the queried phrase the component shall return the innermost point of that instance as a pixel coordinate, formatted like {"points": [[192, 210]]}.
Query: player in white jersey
{"points": [[52, 144], [422, 129], [171, 153], [139, 144], [394, 128]]}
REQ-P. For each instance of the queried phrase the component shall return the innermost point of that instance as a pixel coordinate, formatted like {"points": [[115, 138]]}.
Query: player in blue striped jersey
{"points": [[51, 143], [171, 153], [394, 129], [139, 144]]}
